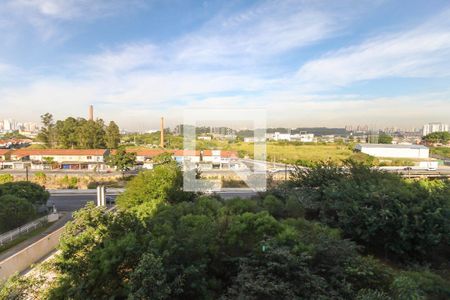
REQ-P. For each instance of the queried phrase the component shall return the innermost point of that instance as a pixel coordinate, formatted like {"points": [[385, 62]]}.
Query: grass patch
{"points": [[443, 152], [24, 237], [290, 153]]}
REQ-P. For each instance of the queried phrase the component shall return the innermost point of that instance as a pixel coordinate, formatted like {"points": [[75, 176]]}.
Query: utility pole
{"points": [[26, 172]]}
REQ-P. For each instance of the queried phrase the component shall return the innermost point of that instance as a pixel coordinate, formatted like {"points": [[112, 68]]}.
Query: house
{"points": [[394, 151], [303, 137], [66, 159], [204, 138], [204, 159], [299, 137]]}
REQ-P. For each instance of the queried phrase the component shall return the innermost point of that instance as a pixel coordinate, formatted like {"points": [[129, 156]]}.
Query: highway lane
{"points": [[72, 201]]}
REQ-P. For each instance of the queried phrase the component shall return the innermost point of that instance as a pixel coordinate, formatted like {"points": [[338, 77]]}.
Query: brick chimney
{"points": [[162, 133], [91, 113]]}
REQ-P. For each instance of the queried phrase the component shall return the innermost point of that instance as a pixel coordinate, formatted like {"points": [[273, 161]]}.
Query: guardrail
{"points": [[13, 234]]}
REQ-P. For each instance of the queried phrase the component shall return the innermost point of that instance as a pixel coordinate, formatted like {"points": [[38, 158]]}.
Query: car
{"points": [[110, 200], [407, 169]]}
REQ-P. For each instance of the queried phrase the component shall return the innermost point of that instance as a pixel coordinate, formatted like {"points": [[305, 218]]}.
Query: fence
{"points": [[13, 234]]}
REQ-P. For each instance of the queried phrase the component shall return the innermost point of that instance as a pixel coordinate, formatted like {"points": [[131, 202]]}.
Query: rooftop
{"points": [[391, 146], [61, 152]]}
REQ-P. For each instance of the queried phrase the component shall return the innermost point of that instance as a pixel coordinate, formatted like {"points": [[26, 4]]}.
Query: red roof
{"points": [[156, 152], [61, 152], [4, 151]]}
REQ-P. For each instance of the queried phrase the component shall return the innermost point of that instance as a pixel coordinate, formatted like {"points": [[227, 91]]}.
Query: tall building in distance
{"points": [[434, 127], [91, 113]]}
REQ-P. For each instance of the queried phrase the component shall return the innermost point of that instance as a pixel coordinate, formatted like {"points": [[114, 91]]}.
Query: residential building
{"points": [[394, 151], [204, 159], [300, 137], [434, 127], [66, 159]]}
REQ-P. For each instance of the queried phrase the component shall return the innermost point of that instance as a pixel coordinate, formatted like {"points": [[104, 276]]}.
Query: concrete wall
{"points": [[23, 259]]}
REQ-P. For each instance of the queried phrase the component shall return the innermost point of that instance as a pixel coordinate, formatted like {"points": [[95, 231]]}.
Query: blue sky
{"points": [[309, 63]]}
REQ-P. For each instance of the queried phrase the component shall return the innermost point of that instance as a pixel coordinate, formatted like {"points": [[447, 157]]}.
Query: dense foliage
{"points": [[384, 138], [78, 133], [14, 212], [150, 188], [32, 192], [163, 243], [405, 220], [19, 202], [122, 160], [438, 137]]}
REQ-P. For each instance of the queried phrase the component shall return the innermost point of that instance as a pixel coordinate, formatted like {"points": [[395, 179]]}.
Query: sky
{"points": [[306, 63]]}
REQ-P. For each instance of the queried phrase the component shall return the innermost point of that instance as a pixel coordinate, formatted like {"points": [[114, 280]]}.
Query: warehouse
{"points": [[394, 151]]}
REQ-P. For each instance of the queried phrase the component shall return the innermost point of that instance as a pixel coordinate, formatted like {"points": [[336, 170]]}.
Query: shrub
{"points": [[14, 212], [4, 178], [32, 192]]}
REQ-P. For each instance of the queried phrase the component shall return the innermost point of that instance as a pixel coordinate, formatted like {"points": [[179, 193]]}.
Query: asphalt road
{"points": [[72, 202]]}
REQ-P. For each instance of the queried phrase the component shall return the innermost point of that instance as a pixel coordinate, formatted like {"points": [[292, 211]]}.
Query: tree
{"points": [[32, 192], [378, 210], [4, 178], [112, 135], [48, 161], [384, 138], [151, 188], [91, 134], [122, 160], [437, 137], [14, 212], [47, 133], [66, 132]]}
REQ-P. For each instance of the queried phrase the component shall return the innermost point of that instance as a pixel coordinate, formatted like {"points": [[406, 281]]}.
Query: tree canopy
{"points": [[438, 137], [315, 238], [384, 138], [122, 160], [78, 133]]}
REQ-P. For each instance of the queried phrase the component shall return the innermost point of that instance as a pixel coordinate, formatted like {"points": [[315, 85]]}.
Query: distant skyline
{"points": [[309, 63]]}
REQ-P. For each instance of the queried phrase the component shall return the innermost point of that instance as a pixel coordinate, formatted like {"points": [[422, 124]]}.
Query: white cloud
{"points": [[421, 52], [267, 29], [47, 17], [229, 62], [68, 9]]}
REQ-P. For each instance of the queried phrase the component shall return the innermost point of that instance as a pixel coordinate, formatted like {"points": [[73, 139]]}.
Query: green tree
{"points": [[66, 132], [437, 137], [32, 192], [122, 160], [384, 138], [91, 134], [151, 188], [14, 212], [47, 133], [379, 210], [4, 178], [112, 135]]}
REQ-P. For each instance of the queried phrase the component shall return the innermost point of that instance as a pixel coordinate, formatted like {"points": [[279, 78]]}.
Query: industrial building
{"points": [[394, 151]]}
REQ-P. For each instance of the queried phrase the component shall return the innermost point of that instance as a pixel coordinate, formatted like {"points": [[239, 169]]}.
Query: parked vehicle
{"points": [[110, 200]]}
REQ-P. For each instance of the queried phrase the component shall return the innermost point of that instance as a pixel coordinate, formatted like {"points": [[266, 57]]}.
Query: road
{"points": [[71, 200]]}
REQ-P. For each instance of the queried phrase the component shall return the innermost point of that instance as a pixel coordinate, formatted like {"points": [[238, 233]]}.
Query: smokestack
{"points": [[91, 113], [162, 133]]}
